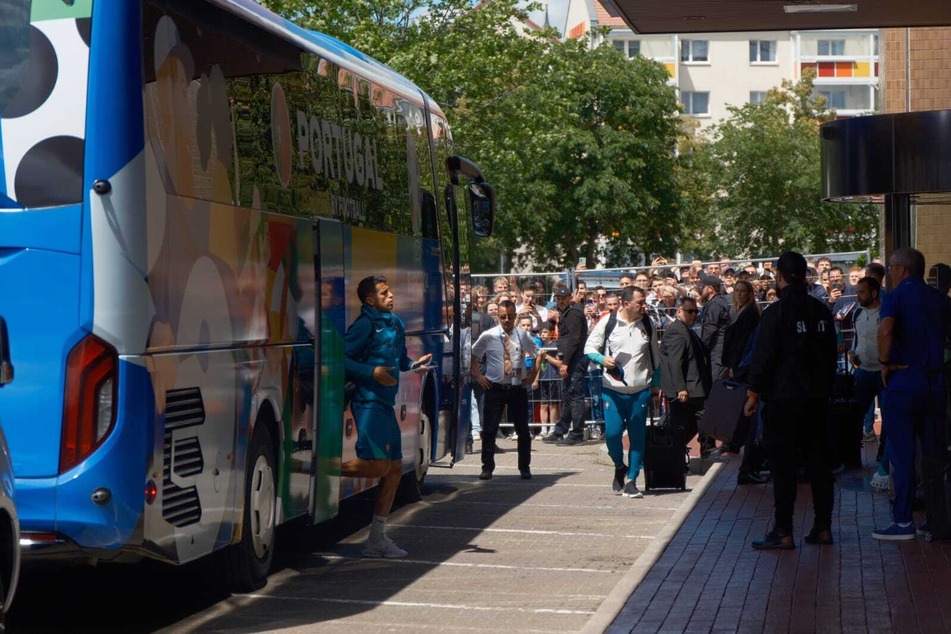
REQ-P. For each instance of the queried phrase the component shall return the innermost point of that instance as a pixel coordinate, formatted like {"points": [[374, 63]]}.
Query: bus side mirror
{"points": [[482, 205], [6, 368]]}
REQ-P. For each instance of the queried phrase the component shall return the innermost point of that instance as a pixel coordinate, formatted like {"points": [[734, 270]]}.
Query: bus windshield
{"points": [[44, 54]]}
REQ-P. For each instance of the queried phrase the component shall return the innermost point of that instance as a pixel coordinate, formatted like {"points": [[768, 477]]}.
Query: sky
{"points": [[556, 13]]}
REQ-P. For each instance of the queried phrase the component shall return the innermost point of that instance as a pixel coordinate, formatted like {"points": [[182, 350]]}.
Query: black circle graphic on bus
{"points": [[50, 173], [38, 78], [84, 26]]}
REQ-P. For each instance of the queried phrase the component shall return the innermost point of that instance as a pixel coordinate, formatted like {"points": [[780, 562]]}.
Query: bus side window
{"points": [[430, 215]]}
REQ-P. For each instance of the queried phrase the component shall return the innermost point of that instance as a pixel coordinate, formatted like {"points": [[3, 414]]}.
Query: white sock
{"points": [[377, 526]]}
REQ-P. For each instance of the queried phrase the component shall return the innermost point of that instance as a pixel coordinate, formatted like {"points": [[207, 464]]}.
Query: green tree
{"points": [[762, 171], [579, 143]]}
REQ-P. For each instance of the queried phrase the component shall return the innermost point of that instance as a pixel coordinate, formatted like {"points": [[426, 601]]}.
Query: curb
{"points": [[615, 601]]}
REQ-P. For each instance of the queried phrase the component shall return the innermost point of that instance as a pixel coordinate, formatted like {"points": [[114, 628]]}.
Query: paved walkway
{"points": [[504, 555], [709, 579]]}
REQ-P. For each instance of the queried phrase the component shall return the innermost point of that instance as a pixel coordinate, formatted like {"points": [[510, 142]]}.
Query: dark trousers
{"points": [[793, 429], [911, 416], [572, 409], [752, 459], [496, 399], [686, 416]]}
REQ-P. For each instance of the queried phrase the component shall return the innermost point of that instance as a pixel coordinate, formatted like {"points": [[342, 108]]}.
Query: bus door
{"points": [[478, 199], [330, 324]]}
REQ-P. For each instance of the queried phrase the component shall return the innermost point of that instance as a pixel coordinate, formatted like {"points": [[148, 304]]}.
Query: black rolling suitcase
{"points": [[665, 455], [724, 409]]}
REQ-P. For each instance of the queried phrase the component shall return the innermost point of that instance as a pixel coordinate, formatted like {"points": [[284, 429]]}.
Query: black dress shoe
{"points": [[469, 445], [568, 441], [526, 474], [485, 475], [717, 455], [552, 438], [775, 540], [819, 537], [746, 477]]}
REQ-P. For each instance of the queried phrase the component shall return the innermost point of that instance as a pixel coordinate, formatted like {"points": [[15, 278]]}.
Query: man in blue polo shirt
{"points": [[914, 318]]}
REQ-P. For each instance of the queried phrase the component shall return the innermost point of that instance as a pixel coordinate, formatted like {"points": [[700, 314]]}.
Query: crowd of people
{"points": [[666, 333]]}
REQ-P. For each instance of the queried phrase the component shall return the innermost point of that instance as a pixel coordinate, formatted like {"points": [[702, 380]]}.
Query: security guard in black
{"points": [[793, 367]]}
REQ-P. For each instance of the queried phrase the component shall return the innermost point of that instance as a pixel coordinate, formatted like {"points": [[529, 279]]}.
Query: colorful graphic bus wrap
{"points": [[190, 193]]}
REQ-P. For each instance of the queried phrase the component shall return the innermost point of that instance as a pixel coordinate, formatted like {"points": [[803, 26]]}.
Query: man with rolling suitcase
{"points": [[624, 345], [685, 370], [793, 366]]}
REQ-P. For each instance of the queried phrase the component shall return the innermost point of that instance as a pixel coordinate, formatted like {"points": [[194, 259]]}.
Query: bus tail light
{"points": [[89, 411]]}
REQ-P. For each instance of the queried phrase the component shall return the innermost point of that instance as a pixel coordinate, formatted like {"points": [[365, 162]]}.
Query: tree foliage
{"points": [[579, 143], [755, 187]]}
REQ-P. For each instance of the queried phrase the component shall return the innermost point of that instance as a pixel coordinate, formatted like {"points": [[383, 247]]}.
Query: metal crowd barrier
{"points": [[546, 401]]}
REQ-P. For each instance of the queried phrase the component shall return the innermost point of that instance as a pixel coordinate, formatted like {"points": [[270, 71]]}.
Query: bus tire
{"points": [[245, 565], [411, 484]]}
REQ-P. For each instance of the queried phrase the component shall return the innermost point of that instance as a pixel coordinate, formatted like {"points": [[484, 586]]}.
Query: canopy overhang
{"points": [[713, 16]]}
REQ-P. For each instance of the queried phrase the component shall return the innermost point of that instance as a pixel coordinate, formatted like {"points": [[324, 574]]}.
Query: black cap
{"points": [[710, 280], [563, 291], [728, 271]]}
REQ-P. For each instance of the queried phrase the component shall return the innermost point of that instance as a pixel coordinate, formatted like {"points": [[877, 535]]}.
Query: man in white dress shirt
{"points": [[505, 381]]}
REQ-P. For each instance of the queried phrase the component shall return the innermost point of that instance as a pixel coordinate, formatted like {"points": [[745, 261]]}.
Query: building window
{"points": [[834, 98], [631, 48], [694, 51], [831, 47], [875, 44], [757, 96], [696, 103], [762, 51]]}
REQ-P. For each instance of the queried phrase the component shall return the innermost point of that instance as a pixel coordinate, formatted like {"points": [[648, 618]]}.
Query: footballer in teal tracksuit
{"points": [[376, 339], [375, 355]]}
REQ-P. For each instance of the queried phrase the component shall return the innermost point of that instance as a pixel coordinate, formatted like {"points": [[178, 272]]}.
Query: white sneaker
{"points": [[385, 548], [881, 483]]}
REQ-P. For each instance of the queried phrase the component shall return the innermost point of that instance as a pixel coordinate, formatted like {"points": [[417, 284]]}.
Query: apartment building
{"points": [[716, 70]]}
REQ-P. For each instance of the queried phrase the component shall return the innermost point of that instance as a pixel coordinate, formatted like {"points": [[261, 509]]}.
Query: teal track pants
{"points": [[626, 411]]}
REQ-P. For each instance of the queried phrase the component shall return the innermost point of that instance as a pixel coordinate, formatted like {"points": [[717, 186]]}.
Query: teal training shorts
{"points": [[378, 432]]}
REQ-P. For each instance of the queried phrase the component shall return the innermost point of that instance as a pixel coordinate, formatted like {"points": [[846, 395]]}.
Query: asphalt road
{"points": [[502, 555]]}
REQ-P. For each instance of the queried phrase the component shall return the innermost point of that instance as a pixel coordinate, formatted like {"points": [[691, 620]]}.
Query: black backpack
{"points": [[648, 326]]}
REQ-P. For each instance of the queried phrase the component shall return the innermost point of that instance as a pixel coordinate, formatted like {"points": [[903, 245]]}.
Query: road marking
{"points": [[515, 530], [466, 565], [374, 625], [584, 507], [528, 483], [553, 469], [414, 604]]}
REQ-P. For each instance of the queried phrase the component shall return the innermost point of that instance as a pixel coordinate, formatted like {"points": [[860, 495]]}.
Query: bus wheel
{"points": [[246, 564], [411, 485]]}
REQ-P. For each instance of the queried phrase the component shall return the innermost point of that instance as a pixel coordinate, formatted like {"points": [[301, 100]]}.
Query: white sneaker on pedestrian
{"points": [[384, 548], [880, 483]]}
